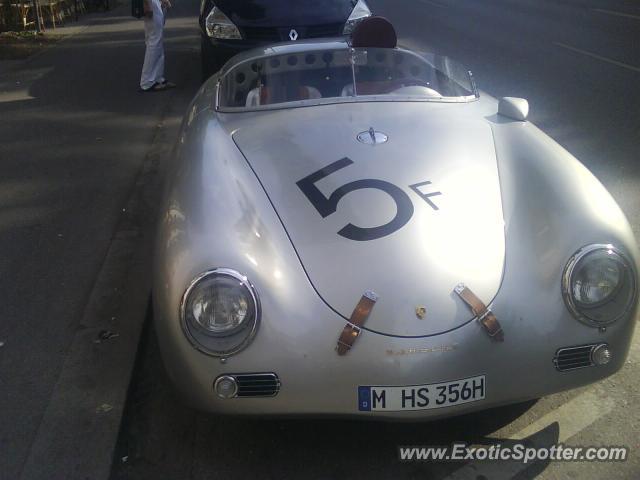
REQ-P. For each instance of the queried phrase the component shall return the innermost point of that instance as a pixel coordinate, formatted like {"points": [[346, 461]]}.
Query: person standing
{"points": [[152, 78]]}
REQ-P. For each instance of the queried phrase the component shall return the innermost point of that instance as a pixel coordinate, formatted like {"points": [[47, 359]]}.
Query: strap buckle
{"points": [[491, 325], [484, 315], [347, 338], [352, 330]]}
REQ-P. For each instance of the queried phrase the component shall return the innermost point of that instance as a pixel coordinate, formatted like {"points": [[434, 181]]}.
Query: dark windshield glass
{"points": [[344, 74], [286, 13]]}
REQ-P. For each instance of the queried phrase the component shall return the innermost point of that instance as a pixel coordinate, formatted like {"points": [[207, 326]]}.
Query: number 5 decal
{"points": [[328, 205]]}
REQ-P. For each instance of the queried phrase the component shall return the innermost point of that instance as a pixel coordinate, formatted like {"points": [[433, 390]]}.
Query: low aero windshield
{"points": [[344, 75]]}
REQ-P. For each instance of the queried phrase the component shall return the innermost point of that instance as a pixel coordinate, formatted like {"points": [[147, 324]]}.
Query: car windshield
{"points": [[334, 75]]}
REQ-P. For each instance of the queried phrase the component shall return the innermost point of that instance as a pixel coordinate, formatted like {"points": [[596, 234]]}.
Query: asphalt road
{"points": [[74, 136], [576, 61], [578, 64]]}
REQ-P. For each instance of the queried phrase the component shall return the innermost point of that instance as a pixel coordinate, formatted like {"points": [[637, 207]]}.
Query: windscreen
{"points": [[344, 74]]}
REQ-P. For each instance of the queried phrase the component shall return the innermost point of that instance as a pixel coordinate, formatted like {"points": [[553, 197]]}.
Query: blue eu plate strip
{"points": [[364, 399]]}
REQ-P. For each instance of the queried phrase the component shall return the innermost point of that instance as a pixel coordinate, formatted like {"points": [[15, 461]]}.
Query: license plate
{"points": [[421, 397]]}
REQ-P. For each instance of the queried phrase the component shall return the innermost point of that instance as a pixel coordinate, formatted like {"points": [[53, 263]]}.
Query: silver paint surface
{"points": [[545, 205], [423, 261]]}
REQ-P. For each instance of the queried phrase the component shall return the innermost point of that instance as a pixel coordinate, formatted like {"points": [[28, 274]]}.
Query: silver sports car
{"points": [[355, 230]]}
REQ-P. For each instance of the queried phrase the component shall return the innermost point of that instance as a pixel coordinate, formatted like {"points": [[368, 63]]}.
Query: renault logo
{"points": [[293, 35]]}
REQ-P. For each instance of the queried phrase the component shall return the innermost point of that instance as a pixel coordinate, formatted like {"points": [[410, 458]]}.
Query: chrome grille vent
{"points": [[257, 384], [571, 358]]}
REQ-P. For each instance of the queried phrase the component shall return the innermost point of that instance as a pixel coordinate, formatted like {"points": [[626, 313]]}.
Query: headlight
{"points": [[218, 25], [220, 312], [360, 12], [599, 285]]}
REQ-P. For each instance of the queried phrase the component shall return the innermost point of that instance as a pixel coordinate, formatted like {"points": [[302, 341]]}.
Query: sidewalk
{"points": [[61, 32], [81, 156]]}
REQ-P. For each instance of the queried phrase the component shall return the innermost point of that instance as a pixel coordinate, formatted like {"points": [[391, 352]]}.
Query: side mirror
{"points": [[514, 108]]}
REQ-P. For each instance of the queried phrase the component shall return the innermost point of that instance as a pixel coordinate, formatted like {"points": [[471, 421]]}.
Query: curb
{"points": [[79, 429]]}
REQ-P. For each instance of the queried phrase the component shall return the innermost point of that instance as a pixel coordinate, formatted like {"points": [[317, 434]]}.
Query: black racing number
{"points": [[425, 196], [328, 205]]}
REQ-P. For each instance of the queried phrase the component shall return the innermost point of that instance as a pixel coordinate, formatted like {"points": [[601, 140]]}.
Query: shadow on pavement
{"points": [[162, 438], [74, 133]]}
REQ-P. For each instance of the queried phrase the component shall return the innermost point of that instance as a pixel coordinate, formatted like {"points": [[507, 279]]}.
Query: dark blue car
{"points": [[231, 26]]}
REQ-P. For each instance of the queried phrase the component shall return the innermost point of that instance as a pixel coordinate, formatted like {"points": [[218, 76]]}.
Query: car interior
{"points": [[373, 66]]}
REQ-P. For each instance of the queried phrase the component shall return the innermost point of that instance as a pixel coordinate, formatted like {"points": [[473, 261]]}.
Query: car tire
{"points": [[210, 65]]}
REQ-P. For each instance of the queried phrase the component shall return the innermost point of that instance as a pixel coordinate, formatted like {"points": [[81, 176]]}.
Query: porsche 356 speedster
{"points": [[354, 229]]}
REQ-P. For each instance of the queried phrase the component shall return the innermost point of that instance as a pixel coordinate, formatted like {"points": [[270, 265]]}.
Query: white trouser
{"points": [[153, 68]]}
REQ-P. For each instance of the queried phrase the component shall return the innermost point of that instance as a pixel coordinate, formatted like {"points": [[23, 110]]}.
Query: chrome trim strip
{"points": [[218, 84], [352, 59], [588, 354], [225, 377], [249, 391], [254, 296], [339, 100], [474, 87]]}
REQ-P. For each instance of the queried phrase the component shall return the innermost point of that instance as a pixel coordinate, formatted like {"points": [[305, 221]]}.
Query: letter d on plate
{"points": [[364, 399]]}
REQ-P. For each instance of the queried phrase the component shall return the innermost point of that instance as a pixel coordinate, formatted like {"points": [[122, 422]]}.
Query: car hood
{"points": [[454, 234], [285, 13]]}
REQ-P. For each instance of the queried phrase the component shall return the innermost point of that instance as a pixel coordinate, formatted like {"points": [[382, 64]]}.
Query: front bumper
{"points": [[316, 381]]}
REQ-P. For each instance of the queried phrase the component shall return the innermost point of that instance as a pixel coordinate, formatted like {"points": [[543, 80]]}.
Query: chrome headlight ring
{"points": [[617, 300], [224, 344]]}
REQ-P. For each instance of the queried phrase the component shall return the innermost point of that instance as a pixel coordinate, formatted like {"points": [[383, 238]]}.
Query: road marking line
{"points": [[16, 96], [598, 57], [433, 3], [573, 416], [617, 14]]}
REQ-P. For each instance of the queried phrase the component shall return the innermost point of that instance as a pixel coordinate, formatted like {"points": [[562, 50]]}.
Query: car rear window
{"points": [[344, 75]]}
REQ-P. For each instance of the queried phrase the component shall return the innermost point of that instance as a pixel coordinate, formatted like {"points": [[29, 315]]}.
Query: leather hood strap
{"points": [[351, 330], [485, 316]]}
